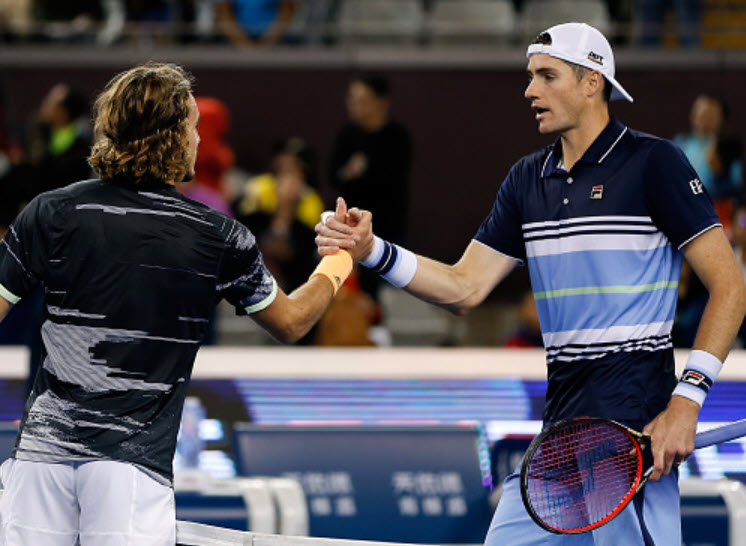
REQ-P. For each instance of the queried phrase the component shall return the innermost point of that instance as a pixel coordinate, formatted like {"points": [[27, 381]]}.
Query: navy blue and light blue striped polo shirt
{"points": [[603, 247]]}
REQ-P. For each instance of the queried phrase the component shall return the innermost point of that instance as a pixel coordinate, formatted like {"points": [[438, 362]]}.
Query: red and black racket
{"points": [[579, 474]]}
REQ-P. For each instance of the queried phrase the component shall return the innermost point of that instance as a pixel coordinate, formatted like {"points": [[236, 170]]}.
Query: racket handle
{"points": [[720, 434], [644, 479]]}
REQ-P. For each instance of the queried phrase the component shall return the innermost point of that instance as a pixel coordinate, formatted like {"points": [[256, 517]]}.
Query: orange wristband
{"points": [[336, 268]]}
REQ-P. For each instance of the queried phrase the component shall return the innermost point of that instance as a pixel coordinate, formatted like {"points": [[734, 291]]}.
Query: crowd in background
{"points": [[370, 159], [369, 164], [280, 205], [247, 23]]}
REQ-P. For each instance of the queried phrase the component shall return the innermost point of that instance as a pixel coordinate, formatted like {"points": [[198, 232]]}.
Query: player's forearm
{"points": [[722, 317], [308, 303], [444, 286], [289, 317]]}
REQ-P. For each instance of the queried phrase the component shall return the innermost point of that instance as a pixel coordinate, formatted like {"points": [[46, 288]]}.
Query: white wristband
{"points": [[375, 255], [395, 264], [701, 370]]}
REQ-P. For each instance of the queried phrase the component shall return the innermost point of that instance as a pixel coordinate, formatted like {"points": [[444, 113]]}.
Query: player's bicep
{"points": [[712, 259]]}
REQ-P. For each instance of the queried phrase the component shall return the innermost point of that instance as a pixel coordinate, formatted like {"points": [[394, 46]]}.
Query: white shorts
{"points": [[98, 503]]}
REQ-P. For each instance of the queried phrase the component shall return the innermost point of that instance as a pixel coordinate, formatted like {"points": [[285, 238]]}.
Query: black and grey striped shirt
{"points": [[130, 275]]}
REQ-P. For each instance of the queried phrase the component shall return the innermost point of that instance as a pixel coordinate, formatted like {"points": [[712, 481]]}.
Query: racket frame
{"points": [[641, 477]]}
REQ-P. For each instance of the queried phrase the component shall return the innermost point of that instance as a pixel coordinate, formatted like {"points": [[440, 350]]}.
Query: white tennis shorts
{"points": [[97, 503]]}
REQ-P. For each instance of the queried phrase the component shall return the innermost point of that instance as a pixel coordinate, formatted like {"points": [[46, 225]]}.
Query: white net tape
{"points": [[197, 534]]}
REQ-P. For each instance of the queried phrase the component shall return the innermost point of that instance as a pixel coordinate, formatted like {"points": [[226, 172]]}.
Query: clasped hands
{"points": [[350, 230]]}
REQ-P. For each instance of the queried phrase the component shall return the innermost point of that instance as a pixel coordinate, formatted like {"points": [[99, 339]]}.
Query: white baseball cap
{"points": [[581, 44]]}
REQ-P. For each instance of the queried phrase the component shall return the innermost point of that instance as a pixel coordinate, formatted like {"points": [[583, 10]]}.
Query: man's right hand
{"points": [[349, 230]]}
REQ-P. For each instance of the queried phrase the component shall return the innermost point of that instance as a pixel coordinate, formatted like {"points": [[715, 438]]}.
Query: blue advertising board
{"points": [[422, 484]]}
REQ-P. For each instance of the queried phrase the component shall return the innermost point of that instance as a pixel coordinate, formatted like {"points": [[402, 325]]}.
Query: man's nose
{"points": [[530, 92]]}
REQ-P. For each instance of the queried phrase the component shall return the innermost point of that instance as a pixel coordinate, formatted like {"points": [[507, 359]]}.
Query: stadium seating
{"points": [[539, 15], [471, 21], [366, 21]]}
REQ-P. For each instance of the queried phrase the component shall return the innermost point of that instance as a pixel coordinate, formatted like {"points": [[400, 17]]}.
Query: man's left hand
{"points": [[672, 434]]}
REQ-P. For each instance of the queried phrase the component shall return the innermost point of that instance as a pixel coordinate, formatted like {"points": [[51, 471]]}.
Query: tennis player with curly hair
{"points": [[131, 270]]}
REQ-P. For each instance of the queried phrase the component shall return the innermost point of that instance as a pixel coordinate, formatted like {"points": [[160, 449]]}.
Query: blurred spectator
{"points": [[726, 165], [68, 21], [254, 22], [281, 209], [528, 333], [60, 138], [715, 156], [621, 12], [650, 15], [706, 120], [312, 22], [180, 20], [152, 11], [215, 157], [370, 163], [15, 19], [11, 196], [725, 160]]}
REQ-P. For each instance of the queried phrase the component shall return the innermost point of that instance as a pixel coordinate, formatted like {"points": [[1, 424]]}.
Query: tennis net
{"points": [[197, 534]]}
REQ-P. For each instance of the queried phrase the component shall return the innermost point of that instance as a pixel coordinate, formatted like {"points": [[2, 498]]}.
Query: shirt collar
{"points": [[596, 153]]}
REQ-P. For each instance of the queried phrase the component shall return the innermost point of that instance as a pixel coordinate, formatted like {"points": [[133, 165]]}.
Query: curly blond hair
{"points": [[140, 130]]}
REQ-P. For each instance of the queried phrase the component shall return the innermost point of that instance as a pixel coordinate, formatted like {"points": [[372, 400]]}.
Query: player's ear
{"points": [[594, 83]]}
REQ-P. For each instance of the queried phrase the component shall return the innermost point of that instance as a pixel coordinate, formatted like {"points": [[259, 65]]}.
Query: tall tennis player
{"points": [[131, 270], [603, 218]]}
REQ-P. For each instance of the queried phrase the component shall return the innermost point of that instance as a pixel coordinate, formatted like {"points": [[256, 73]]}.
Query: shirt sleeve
{"points": [[22, 255], [243, 279], [677, 200], [501, 230]]}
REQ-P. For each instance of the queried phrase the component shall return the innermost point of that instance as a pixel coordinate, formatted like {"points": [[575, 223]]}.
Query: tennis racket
{"points": [[579, 474]]}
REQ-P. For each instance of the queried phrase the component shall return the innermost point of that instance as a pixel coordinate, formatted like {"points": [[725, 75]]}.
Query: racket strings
{"points": [[581, 474]]}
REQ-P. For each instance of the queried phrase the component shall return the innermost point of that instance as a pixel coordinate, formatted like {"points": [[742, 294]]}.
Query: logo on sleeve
{"points": [[696, 186], [597, 192]]}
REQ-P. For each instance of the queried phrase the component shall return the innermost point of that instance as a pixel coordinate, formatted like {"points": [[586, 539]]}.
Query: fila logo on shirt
{"points": [[597, 192], [696, 186]]}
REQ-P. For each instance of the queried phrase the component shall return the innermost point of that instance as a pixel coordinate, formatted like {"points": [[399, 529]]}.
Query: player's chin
{"points": [[545, 127], [189, 176]]}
